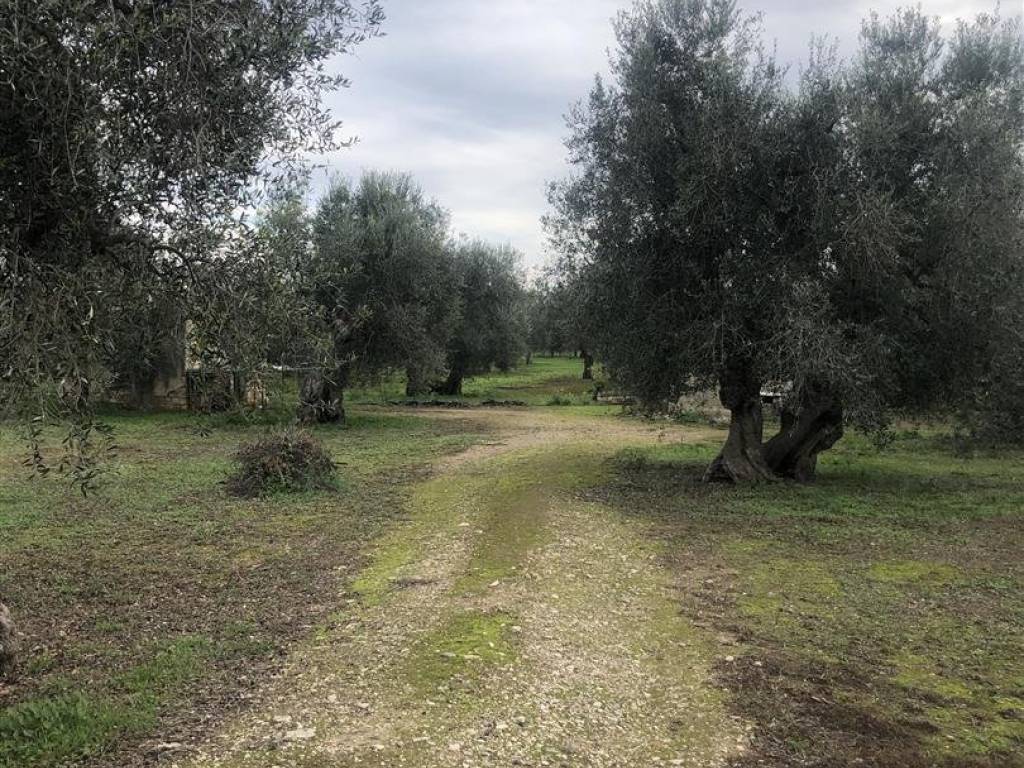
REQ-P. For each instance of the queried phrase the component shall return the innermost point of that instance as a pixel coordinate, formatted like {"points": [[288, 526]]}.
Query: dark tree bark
{"points": [[321, 399], [815, 426], [588, 365], [7, 644], [415, 383], [529, 357], [452, 385], [742, 459]]}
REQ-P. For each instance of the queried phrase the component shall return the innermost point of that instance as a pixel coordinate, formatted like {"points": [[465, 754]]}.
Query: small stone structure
{"points": [[178, 383]]}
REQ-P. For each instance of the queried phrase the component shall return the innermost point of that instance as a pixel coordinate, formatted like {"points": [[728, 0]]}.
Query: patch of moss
{"points": [[376, 579], [515, 505], [514, 526], [975, 733], [435, 508], [454, 656], [914, 572], [919, 673], [743, 547], [780, 588]]}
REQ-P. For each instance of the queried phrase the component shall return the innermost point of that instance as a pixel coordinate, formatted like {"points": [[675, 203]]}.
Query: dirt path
{"points": [[506, 622]]}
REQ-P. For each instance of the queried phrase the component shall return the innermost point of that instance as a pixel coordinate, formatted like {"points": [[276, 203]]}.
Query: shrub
{"points": [[285, 460]]}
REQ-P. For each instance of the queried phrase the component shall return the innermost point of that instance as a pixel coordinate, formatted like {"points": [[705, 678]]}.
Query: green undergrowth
{"points": [[883, 604], [545, 381], [66, 723]]}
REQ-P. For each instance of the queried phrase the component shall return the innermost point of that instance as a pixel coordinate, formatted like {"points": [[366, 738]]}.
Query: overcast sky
{"points": [[470, 95]]}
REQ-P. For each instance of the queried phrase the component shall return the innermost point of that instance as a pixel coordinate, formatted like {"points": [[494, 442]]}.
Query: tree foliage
{"points": [[133, 134], [851, 238], [490, 332], [381, 285]]}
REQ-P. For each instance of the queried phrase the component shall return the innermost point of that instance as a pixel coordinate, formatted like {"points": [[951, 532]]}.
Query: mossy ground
{"points": [[873, 619], [880, 611], [451, 658], [503, 619], [153, 600]]}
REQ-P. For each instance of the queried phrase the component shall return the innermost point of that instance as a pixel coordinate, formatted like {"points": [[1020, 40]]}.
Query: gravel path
{"points": [[507, 622]]}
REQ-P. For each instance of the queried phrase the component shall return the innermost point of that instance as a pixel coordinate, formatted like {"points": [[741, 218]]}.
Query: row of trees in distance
{"points": [[372, 282]]}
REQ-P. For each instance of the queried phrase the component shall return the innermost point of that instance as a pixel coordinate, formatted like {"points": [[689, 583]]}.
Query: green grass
{"points": [[67, 723], [878, 611], [66, 727], [545, 381], [884, 604], [146, 603]]}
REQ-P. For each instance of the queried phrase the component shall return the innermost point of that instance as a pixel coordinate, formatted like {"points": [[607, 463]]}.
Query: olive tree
{"points": [[490, 332], [918, 207], [849, 239], [664, 221], [382, 287], [135, 134], [545, 326]]}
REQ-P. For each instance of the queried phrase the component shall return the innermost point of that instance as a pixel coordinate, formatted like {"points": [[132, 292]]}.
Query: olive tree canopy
{"points": [[382, 285], [491, 331], [849, 239], [134, 135]]}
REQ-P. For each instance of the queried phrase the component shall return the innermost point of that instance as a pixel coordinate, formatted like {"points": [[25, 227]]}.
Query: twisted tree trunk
{"points": [[416, 383], [588, 365], [452, 385], [321, 399], [815, 426], [742, 459], [7, 644]]}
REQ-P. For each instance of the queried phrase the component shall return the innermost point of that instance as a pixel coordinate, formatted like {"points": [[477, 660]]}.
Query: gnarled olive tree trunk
{"points": [[588, 365], [416, 383], [814, 426], [452, 385], [321, 398], [742, 458], [7, 644]]}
